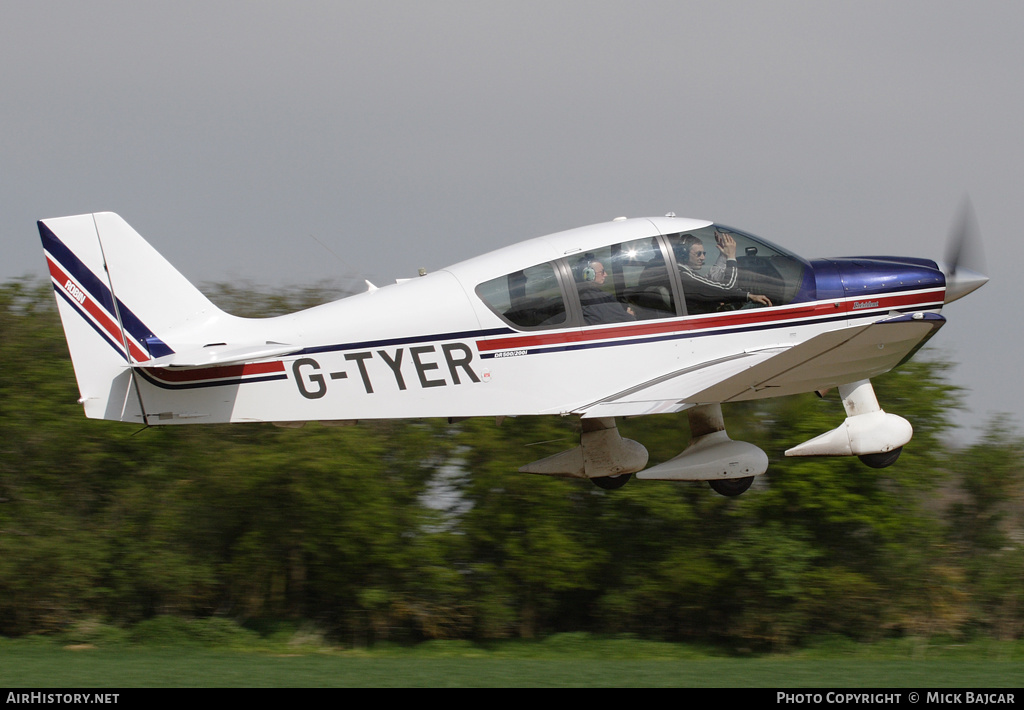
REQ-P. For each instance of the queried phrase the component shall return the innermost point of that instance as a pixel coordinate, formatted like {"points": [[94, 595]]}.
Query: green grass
{"points": [[568, 660]]}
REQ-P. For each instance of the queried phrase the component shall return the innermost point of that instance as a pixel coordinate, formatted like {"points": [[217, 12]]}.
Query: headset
{"points": [[585, 272]]}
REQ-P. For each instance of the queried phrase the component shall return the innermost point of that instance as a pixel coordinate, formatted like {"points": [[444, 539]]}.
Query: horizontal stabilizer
{"points": [[220, 354]]}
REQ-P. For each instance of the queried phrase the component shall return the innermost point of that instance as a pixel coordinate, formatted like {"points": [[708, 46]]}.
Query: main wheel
{"points": [[611, 483], [731, 486], [882, 460]]}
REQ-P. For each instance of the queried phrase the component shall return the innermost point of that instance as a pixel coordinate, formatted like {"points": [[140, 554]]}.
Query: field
{"points": [[564, 661]]}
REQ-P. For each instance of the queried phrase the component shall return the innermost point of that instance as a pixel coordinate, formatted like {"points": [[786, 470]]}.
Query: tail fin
{"points": [[119, 302]]}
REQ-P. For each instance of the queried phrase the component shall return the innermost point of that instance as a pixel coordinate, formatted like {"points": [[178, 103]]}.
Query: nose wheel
{"points": [[881, 460]]}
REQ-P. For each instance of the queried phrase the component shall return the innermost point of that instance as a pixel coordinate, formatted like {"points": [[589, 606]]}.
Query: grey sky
{"points": [[285, 143]]}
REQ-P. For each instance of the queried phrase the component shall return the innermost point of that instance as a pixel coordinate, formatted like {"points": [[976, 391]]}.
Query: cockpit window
{"points": [[761, 275], [531, 298], [624, 282], [717, 267]]}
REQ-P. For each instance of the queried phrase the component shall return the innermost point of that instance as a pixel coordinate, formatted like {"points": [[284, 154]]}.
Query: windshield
{"points": [[762, 268]]}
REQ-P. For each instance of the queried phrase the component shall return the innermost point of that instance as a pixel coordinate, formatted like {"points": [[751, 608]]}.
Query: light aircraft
{"points": [[621, 319]]}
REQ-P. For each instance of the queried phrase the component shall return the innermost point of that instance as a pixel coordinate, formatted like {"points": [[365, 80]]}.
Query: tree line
{"points": [[411, 530]]}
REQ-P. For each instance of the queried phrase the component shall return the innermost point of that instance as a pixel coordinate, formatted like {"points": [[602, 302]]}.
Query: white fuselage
{"points": [[431, 347]]}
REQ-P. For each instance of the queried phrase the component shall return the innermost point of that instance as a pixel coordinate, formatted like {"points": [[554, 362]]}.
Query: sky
{"points": [[290, 143]]}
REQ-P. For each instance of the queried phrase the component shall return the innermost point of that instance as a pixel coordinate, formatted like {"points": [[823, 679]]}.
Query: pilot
{"points": [[599, 306], [706, 293]]}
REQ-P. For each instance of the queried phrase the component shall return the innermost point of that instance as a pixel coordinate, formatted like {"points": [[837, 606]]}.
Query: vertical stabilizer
{"points": [[119, 302]]}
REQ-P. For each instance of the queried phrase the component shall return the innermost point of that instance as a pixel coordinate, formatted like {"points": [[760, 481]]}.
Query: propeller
{"points": [[964, 265]]}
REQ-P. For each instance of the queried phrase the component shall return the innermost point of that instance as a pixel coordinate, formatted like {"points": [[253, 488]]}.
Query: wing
{"points": [[823, 361]]}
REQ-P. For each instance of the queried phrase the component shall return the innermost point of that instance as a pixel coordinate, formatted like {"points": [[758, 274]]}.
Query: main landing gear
{"points": [[728, 466], [731, 486], [610, 461], [612, 483]]}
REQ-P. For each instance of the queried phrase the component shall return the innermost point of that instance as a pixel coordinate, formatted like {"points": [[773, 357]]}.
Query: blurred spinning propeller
{"points": [[964, 265]]}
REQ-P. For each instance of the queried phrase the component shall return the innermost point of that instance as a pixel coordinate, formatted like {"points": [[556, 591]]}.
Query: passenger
{"points": [[705, 294], [599, 306]]}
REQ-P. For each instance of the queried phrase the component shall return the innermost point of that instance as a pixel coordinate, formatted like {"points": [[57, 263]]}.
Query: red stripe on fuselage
{"points": [[717, 320], [214, 373]]}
